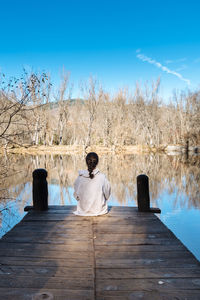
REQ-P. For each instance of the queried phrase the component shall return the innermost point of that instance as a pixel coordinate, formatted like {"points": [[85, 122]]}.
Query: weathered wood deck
{"points": [[122, 255]]}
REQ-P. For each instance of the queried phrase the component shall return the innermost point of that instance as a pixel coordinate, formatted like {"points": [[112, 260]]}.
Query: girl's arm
{"points": [[76, 184], [106, 188]]}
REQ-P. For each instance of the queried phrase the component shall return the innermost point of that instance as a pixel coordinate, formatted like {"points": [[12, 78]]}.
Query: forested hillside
{"points": [[33, 113]]}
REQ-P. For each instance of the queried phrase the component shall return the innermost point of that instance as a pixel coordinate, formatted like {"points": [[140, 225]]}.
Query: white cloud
{"points": [[169, 61], [151, 61]]}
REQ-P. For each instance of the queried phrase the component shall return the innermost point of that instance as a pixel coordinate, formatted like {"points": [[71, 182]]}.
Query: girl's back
{"points": [[91, 190]]}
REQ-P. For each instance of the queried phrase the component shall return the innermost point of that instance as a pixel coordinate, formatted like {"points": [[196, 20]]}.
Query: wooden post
{"points": [[40, 190], [143, 193], [143, 198]]}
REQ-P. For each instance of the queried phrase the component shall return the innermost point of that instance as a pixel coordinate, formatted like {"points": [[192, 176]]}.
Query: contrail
{"points": [[163, 68]]}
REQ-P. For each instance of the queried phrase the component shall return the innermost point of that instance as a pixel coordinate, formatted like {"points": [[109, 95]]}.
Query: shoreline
{"points": [[77, 149]]}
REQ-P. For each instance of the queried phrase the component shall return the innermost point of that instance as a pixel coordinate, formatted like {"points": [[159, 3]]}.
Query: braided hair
{"points": [[92, 160]]}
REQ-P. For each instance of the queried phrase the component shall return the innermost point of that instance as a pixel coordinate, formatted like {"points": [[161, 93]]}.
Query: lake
{"points": [[174, 183]]}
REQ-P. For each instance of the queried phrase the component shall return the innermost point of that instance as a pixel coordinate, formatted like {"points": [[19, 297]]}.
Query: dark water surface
{"points": [[174, 187]]}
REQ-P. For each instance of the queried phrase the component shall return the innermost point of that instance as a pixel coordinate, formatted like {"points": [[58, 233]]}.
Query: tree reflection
{"points": [[166, 173]]}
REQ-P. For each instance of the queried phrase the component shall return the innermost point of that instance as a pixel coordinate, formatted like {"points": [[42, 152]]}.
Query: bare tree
{"points": [[30, 116], [17, 99], [93, 92], [63, 107]]}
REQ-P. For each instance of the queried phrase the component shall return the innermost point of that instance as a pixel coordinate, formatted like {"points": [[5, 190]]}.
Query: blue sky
{"points": [[117, 41]]}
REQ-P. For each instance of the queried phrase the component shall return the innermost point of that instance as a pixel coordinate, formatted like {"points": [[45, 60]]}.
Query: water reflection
{"points": [[174, 182]]}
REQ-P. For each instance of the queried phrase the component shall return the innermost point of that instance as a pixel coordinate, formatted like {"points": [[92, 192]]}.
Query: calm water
{"points": [[174, 187]]}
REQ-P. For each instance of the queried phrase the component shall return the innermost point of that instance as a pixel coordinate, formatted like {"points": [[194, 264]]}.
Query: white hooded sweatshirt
{"points": [[91, 194]]}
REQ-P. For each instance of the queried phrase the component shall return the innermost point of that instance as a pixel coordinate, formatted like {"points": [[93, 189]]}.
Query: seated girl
{"points": [[91, 189]]}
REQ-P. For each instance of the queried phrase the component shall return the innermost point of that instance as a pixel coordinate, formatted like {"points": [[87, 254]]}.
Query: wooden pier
{"points": [[125, 254]]}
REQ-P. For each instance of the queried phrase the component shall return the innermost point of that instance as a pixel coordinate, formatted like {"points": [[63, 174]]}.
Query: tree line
{"points": [[32, 112]]}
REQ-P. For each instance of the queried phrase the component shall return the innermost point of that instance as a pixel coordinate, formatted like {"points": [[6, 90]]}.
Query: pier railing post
{"points": [[143, 198], [143, 193], [40, 190]]}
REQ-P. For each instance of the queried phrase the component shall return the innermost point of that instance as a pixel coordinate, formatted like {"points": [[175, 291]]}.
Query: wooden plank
{"points": [[100, 219], [149, 295], [54, 217], [137, 241], [188, 262], [129, 228], [42, 239], [50, 234], [113, 208], [67, 212], [46, 271], [61, 207], [47, 262], [123, 208], [88, 247], [124, 236], [139, 248], [125, 221], [44, 293], [71, 246], [46, 282], [143, 254], [126, 209], [101, 229], [54, 228], [45, 253], [148, 272], [103, 285], [128, 215], [113, 214], [59, 224]]}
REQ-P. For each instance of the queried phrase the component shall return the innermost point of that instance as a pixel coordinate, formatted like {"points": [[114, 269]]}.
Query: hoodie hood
{"points": [[85, 173]]}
